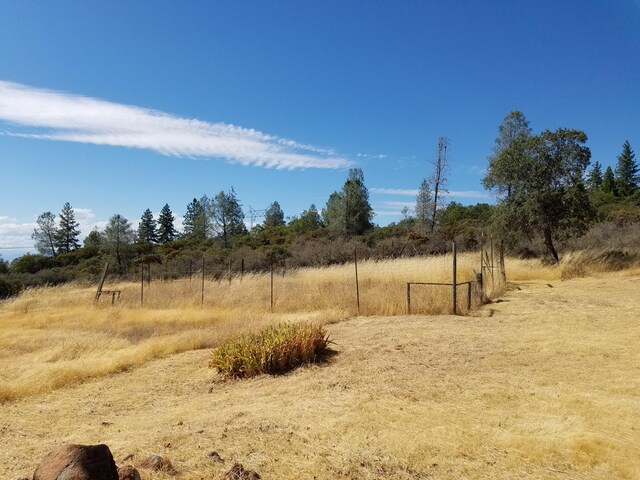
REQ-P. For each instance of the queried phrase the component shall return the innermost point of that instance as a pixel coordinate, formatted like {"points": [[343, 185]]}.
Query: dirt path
{"points": [[544, 384]]}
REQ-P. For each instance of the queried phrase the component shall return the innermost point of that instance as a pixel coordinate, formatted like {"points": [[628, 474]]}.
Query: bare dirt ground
{"points": [[542, 384]]}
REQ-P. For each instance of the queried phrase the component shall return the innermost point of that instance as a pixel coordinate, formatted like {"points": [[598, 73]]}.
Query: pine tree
{"points": [[45, 234], [228, 217], [626, 174], [358, 211], [424, 202], [594, 179], [67, 233], [147, 229], [274, 216], [117, 235], [166, 229], [608, 184], [308, 221], [195, 221]]}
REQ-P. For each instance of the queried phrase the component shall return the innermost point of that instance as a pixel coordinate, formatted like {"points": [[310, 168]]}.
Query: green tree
{"points": [[117, 235], [44, 235], [509, 153], [626, 173], [308, 221], [334, 212], [93, 241], [545, 192], [424, 202], [147, 229], [228, 217], [274, 216], [166, 228], [67, 233], [594, 179], [608, 184], [195, 221], [358, 210]]}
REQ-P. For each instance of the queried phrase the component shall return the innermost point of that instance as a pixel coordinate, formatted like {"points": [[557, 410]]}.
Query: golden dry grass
{"points": [[55, 337], [543, 384]]}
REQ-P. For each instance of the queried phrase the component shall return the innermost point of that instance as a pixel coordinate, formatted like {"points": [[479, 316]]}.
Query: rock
{"points": [[77, 462], [214, 457], [128, 473], [238, 472], [158, 464]]}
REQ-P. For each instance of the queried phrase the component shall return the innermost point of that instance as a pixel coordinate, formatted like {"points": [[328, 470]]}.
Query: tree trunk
{"points": [[548, 241]]}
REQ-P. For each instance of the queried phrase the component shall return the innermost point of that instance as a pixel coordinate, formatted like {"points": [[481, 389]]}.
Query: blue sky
{"points": [[120, 106]]}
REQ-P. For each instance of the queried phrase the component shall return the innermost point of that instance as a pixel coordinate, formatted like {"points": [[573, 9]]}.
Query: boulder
{"points": [[77, 462], [158, 464]]}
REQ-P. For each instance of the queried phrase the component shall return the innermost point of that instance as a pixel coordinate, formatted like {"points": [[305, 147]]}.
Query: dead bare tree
{"points": [[439, 177]]}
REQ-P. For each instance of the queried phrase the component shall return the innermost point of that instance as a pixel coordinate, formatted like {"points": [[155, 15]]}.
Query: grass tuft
{"points": [[276, 349]]}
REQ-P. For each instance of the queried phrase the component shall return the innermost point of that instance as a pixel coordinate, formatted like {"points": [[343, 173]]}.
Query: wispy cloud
{"points": [[68, 117], [413, 193]]}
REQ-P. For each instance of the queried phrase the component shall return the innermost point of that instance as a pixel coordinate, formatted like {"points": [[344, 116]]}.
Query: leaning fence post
{"points": [[355, 261], [453, 283]]}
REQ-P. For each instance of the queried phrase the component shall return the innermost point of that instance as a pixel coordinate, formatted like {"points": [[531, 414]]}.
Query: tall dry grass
{"points": [[57, 336]]}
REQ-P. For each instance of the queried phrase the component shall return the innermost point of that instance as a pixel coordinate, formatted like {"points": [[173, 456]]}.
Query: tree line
{"points": [[543, 189]]}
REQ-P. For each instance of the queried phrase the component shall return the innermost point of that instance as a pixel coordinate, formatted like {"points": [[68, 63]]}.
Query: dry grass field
{"points": [[542, 383]]}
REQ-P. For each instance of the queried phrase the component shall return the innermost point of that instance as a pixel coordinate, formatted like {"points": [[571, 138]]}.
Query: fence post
{"points": [[141, 283], [454, 280], [481, 279], [242, 269], [492, 262], [408, 298], [469, 296], [504, 273], [355, 261], [202, 289], [272, 286]]}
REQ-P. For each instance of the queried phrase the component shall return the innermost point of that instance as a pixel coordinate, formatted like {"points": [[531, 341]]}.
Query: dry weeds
{"points": [[543, 384]]}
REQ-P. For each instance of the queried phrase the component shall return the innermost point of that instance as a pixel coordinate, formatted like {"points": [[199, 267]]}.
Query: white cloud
{"points": [[68, 117], [413, 193]]}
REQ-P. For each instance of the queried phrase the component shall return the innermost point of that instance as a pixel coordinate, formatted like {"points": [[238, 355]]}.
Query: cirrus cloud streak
{"points": [[51, 115]]}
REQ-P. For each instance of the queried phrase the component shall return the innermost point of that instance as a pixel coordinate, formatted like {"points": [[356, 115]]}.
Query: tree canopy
{"points": [[541, 181]]}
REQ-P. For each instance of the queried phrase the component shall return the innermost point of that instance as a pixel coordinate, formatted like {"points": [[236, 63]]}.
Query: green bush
{"points": [[9, 287], [274, 350]]}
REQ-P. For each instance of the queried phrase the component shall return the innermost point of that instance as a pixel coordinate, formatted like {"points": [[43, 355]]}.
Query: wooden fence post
{"points": [[141, 283], [408, 298], [454, 280], [272, 286], [202, 289], [355, 261]]}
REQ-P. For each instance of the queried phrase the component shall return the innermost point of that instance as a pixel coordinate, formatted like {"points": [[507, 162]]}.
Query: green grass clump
{"points": [[274, 350]]}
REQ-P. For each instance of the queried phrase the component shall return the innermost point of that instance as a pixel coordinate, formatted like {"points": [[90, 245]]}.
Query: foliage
{"points": [[608, 184], [166, 229], [66, 237], [147, 229], [195, 220], [308, 221], [30, 263], [44, 235], [228, 217], [542, 177], [274, 350], [274, 216], [349, 211], [424, 205], [8, 287], [627, 172], [117, 236]]}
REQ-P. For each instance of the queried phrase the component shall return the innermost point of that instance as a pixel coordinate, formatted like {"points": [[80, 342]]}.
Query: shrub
{"points": [[274, 350]]}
